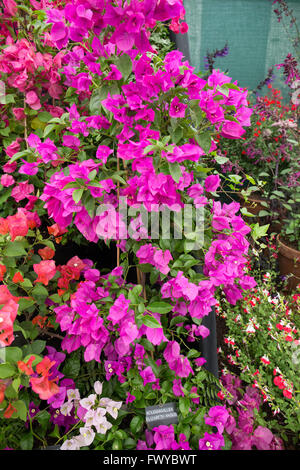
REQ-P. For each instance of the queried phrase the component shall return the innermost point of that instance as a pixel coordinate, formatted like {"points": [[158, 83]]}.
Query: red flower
{"points": [[9, 411], [44, 387], [2, 271], [45, 270], [4, 228], [265, 360], [2, 390], [18, 225], [56, 231], [279, 382], [26, 367], [39, 320], [287, 394], [46, 253], [18, 277]]}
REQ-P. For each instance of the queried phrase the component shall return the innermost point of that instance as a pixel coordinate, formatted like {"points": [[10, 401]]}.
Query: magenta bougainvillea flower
{"points": [[217, 416], [177, 109], [211, 442]]}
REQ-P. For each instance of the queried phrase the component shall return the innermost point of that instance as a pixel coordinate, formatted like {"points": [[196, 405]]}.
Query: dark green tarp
{"points": [[255, 38]]}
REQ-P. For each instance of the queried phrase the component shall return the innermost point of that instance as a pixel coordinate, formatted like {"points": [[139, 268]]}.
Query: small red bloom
{"points": [[18, 277], [279, 382], [26, 367], [2, 390], [287, 394], [46, 253], [10, 410], [2, 271]]}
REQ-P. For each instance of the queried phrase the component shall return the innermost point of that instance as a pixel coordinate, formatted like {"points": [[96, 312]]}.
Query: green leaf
{"points": [[10, 392], [136, 424], [177, 319], [15, 248], [37, 124], [184, 406], [13, 354], [95, 103], [129, 443], [160, 307], [175, 171], [37, 359], [222, 90], [279, 194], [151, 322], [72, 367], [92, 175], [38, 346], [5, 196], [48, 129], [39, 291], [193, 353], [259, 231], [48, 243], [145, 267], [204, 140], [18, 155], [43, 418], [263, 213], [124, 64], [77, 194], [26, 442], [177, 134], [221, 160], [44, 116], [119, 178], [97, 97], [16, 384], [6, 370], [9, 99]]}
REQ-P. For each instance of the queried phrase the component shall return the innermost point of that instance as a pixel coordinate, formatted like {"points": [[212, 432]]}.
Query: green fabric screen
{"points": [[255, 38]]}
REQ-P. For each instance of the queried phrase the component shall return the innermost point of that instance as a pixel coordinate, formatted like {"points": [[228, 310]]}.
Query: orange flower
{"points": [[56, 231], [18, 277], [4, 227], [44, 366], [44, 387], [26, 367], [46, 253], [10, 410]]}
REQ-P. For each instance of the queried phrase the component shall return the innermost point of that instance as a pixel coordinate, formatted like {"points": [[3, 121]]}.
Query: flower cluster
{"points": [[243, 433], [92, 412], [264, 322], [94, 117]]}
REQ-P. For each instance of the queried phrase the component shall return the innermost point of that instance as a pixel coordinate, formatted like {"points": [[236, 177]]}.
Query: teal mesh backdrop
{"points": [[255, 38]]}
